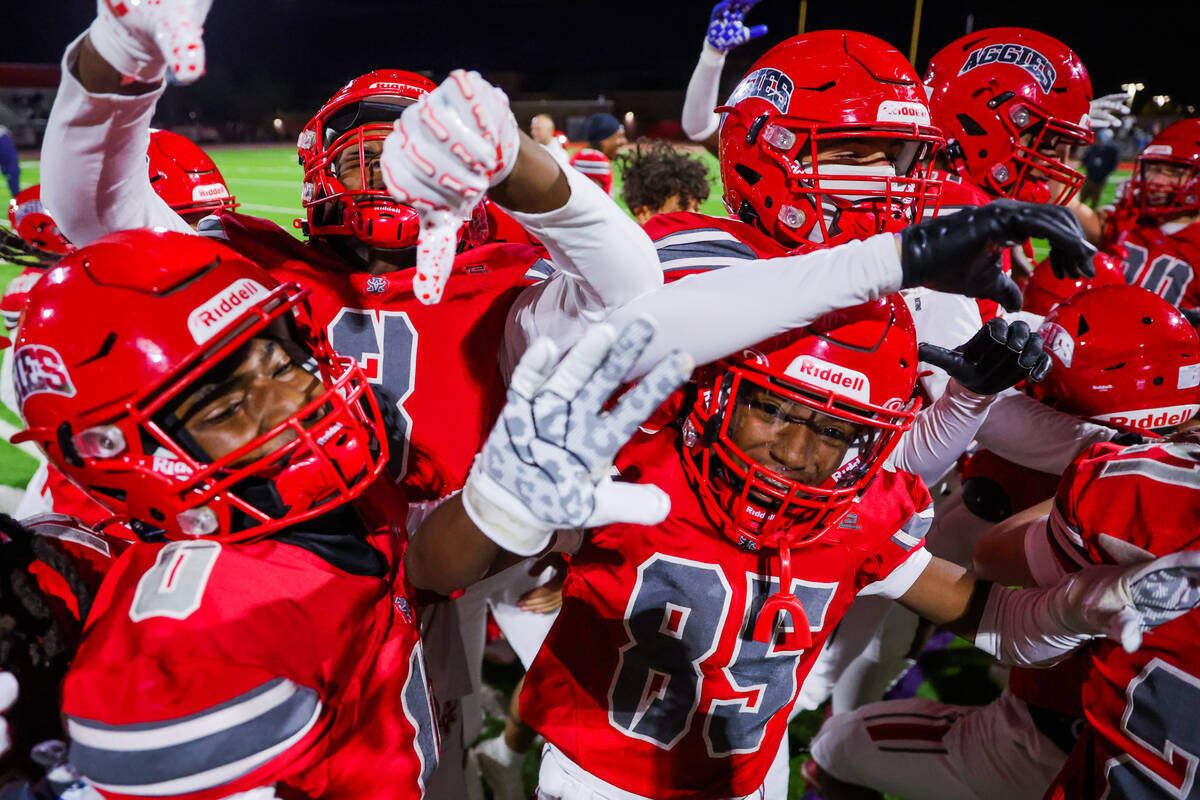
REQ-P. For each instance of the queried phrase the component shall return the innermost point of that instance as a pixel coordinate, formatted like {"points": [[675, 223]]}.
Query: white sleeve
{"points": [[899, 580], [94, 173], [1026, 432], [699, 120], [941, 433], [712, 314], [942, 319], [1044, 566]]}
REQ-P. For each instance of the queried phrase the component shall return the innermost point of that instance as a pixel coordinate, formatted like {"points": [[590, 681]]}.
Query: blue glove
{"points": [[726, 28]]}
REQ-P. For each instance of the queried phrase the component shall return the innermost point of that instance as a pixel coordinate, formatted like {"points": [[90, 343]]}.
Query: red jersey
{"points": [[436, 365], [1166, 264], [209, 669], [1118, 506], [650, 678], [688, 242]]}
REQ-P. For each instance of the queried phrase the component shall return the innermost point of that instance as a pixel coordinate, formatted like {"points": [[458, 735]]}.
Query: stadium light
{"points": [[1132, 88], [1161, 100], [628, 119], [278, 123]]}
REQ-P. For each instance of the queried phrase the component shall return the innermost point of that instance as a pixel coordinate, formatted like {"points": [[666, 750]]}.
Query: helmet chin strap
{"points": [[785, 602]]}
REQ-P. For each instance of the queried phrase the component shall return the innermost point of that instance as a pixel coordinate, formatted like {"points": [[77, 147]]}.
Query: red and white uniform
{"points": [[650, 679], [1165, 260], [210, 669], [597, 166], [1114, 506]]}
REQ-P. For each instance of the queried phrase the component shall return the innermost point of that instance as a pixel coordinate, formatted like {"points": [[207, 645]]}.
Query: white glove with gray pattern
{"points": [[1123, 602], [546, 464]]}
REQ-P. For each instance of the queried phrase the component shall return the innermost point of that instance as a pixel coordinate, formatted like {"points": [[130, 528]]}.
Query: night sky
{"points": [[292, 53]]}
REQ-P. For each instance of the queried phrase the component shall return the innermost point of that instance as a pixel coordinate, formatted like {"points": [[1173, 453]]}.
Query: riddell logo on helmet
{"points": [[842, 380], [1157, 150], [212, 317], [171, 467], [210, 191], [901, 111], [1151, 418], [1028, 59], [38, 369]]}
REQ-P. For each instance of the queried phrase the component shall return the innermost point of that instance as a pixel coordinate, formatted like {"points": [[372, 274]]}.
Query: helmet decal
{"points": [[39, 369], [770, 84], [214, 315], [1028, 59]]}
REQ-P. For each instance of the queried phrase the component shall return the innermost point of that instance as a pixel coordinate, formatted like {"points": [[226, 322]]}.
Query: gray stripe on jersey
{"points": [[212, 228], [419, 710], [540, 270], [128, 759], [722, 249], [913, 532], [1188, 477]]}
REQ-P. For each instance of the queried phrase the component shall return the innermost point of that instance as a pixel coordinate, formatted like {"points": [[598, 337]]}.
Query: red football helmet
{"points": [[1122, 356], [1176, 148], [361, 112], [802, 97], [32, 222], [103, 392], [1044, 290], [991, 88], [185, 177], [857, 367]]}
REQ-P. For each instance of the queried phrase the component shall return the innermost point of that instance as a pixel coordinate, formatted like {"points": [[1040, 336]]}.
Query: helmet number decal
{"points": [[1167, 276], [174, 586], [384, 343], [676, 615]]}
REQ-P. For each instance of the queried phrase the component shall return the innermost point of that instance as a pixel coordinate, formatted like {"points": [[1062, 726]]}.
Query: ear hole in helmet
{"points": [[1082, 328], [748, 175], [970, 126], [1000, 99], [756, 128]]}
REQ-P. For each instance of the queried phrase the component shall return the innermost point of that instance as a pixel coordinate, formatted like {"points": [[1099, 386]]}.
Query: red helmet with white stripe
{"points": [[1122, 356], [1013, 103], [33, 223], [789, 120], [128, 406]]}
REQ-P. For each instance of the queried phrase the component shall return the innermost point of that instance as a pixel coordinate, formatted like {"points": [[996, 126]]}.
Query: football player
{"points": [[1154, 225], [658, 179], [266, 610], [1138, 372]]}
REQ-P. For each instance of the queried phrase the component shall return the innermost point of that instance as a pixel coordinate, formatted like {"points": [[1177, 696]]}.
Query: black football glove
{"points": [[997, 357], [961, 253]]}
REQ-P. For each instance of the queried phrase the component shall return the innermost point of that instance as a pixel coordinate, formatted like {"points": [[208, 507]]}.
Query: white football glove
{"points": [[446, 150], [547, 461], [1108, 111], [1123, 602], [142, 39], [8, 696]]}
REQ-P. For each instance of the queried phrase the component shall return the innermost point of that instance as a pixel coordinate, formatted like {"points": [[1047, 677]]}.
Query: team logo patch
{"points": [[842, 380], [1058, 342], [1028, 59], [901, 111], [1151, 418], [209, 191], [38, 369], [376, 284], [214, 315], [770, 84]]}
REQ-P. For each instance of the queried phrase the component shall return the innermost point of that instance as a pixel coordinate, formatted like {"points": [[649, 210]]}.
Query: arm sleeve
{"points": [[1027, 627], [941, 433], [699, 120], [94, 173], [1026, 432], [712, 314]]}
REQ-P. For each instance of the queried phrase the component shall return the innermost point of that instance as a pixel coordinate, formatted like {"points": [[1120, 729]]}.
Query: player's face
{"points": [[1162, 178], [613, 143], [859, 152], [349, 168], [672, 204], [230, 407], [789, 438]]}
